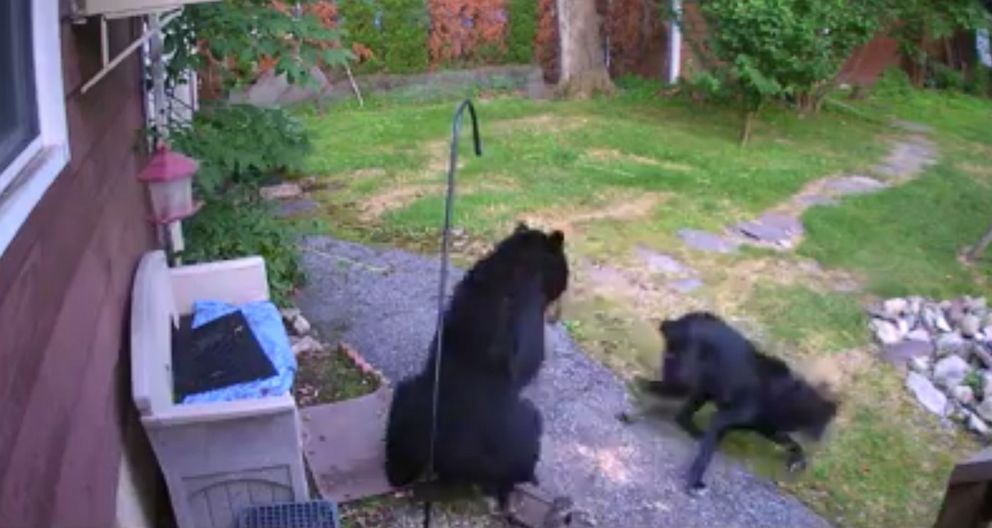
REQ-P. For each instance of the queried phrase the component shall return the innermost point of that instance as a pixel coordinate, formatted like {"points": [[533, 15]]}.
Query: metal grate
{"points": [[313, 514]]}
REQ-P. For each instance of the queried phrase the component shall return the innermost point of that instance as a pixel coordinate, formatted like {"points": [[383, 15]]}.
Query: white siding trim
{"points": [[36, 168]]}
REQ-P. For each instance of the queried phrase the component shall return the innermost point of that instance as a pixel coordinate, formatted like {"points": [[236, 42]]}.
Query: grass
{"points": [[905, 240], [577, 154], [582, 165], [826, 323]]}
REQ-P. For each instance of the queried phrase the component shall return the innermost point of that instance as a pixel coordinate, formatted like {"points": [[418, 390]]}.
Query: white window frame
{"points": [[24, 181]]}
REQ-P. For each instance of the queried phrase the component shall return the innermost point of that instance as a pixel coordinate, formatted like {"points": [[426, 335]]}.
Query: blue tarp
{"points": [[266, 323]]}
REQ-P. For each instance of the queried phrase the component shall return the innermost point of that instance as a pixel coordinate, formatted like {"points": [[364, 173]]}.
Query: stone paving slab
{"points": [[708, 242]]}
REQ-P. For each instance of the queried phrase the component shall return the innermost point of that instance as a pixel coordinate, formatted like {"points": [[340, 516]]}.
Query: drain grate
{"points": [[313, 514]]}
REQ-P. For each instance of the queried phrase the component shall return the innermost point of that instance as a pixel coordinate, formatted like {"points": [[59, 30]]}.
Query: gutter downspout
{"points": [[675, 42]]}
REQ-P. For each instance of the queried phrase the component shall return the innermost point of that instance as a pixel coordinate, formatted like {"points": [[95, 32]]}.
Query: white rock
{"points": [[951, 344], [288, 314], [929, 396], [281, 191], [895, 307], [963, 394], [985, 410], [919, 335], [977, 425], [886, 332], [300, 325], [970, 325], [305, 345], [920, 364], [933, 319], [915, 304], [950, 371], [975, 304], [987, 385]]}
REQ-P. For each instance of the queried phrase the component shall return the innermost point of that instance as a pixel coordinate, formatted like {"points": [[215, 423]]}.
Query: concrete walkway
{"points": [[382, 302]]}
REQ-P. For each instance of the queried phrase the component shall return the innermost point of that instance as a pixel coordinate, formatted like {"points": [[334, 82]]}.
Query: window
{"points": [[33, 139]]}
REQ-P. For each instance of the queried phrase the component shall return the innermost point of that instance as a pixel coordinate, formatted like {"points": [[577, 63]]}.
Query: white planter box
{"points": [[217, 458]]}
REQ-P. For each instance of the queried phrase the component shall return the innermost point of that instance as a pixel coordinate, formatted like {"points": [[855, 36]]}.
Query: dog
{"points": [[707, 360], [493, 346]]}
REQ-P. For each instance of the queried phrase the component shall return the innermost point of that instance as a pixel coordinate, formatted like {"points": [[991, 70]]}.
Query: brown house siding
{"points": [[64, 289], [867, 63]]}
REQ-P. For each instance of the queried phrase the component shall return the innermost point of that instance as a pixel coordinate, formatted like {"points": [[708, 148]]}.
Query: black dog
{"points": [[707, 360], [493, 337]]}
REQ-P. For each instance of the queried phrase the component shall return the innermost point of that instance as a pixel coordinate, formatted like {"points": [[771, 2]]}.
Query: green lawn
{"points": [[627, 172]]}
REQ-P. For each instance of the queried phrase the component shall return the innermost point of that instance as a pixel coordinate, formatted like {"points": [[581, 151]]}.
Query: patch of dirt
{"points": [[980, 173], [547, 123], [331, 375], [569, 220], [616, 155], [376, 205], [367, 173], [837, 371], [634, 286], [732, 284]]}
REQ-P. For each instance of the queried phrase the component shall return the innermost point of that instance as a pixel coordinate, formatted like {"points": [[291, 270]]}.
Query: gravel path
{"points": [[382, 302]]}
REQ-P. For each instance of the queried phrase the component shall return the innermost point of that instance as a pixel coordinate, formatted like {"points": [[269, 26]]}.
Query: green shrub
{"points": [[521, 28], [240, 225], [395, 31], [240, 144], [237, 147], [358, 21], [404, 36], [944, 77], [772, 49], [979, 81]]}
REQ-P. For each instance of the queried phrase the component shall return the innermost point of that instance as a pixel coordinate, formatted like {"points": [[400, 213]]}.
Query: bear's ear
{"points": [[556, 240], [521, 227], [665, 326]]}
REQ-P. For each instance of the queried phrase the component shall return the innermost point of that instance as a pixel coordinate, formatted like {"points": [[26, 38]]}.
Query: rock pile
{"points": [[947, 347], [301, 336]]}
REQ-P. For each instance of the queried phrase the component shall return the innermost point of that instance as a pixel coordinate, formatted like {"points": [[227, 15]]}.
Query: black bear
{"points": [[706, 360], [493, 346]]}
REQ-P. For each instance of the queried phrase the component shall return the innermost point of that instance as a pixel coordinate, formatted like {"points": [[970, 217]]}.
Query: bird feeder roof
{"points": [[167, 165]]}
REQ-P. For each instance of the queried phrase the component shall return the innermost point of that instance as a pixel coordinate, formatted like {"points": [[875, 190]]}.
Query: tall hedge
{"points": [[522, 26]]}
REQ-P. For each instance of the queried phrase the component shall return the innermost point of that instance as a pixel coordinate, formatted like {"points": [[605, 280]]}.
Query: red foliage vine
{"points": [[546, 45]]}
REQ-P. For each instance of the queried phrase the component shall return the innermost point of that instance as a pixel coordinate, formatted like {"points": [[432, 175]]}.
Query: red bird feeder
{"points": [[169, 176]]}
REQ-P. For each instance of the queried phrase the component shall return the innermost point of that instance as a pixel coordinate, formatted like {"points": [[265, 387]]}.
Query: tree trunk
{"points": [[982, 244], [746, 127], [583, 66]]}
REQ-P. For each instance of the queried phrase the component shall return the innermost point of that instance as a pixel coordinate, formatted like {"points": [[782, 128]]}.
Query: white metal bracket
{"points": [[108, 63]]}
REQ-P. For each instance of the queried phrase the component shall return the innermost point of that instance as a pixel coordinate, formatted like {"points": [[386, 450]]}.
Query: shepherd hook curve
{"points": [[456, 126]]}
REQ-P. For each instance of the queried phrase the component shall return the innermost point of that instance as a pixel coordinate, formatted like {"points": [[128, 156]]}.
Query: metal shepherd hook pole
{"points": [[456, 126]]}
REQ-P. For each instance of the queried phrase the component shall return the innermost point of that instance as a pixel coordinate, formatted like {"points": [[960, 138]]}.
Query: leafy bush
{"points": [[238, 38], [240, 144], [240, 225], [358, 19], [404, 35], [237, 146], [783, 48], [521, 31], [944, 77], [979, 81]]}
